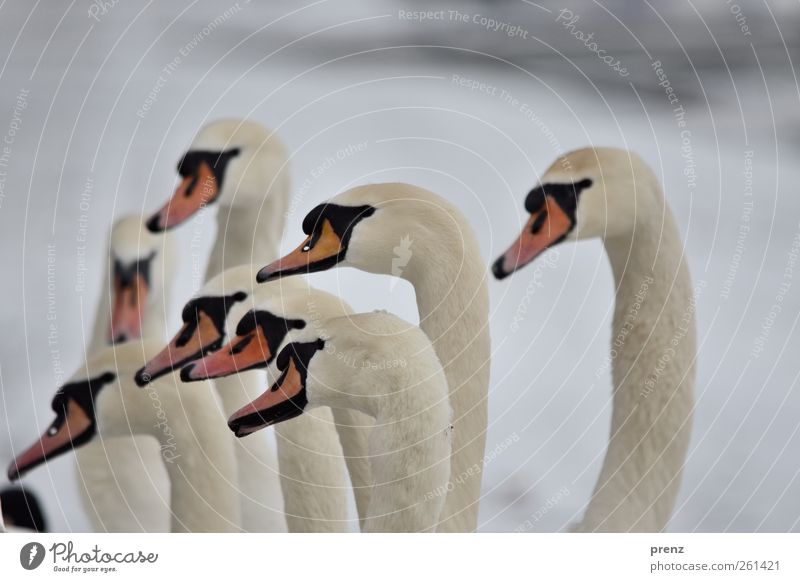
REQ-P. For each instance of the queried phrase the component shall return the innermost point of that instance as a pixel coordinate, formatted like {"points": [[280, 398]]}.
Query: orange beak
{"points": [[284, 400], [244, 352], [61, 437], [193, 193], [545, 228], [317, 253], [193, 341], [126, 316]]}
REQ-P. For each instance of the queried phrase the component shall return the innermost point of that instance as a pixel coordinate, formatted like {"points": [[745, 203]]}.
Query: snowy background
{"points": [[327, 75]]}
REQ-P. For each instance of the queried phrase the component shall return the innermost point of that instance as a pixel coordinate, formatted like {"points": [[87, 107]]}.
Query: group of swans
{"points": [[102, 401], [123, 483], [231, 303], [402, 409], [360, 228], [410, 443]]}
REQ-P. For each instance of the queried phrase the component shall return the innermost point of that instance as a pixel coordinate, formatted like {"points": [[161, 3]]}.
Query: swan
{"points": [[386, 368], [102, 401], [258, 330], [119, 478], [242, 167], [308, 455], [361, 228], [137, 286], [612, 194]]}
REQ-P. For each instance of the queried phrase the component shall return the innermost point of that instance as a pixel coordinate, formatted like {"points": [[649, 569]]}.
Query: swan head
{"points": [[101, 399], [255, 341], [258, 327], [76, 406], [228, 307], [138, 259], [288, 395], [588, 193], [372, 228], [373, 362], [230, 162]]}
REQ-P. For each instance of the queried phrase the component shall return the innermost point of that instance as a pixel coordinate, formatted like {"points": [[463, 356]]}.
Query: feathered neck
{"points": [[248, 233], [195, 445], [449, 278], [653, 350]]}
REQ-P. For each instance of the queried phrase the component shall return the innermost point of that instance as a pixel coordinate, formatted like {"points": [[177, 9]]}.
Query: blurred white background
{"points": [[327, 76]]}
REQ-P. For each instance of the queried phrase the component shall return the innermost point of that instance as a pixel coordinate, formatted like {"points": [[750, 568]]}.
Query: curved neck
{"points": [[204, 480], [258, 480], [653, 352], [246, 234], [238, 389], [196, 449], [453, 302], [409, 450]]}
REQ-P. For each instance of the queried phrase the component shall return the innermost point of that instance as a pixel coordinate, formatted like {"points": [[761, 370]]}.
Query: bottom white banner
{"points": [[400, 557]]}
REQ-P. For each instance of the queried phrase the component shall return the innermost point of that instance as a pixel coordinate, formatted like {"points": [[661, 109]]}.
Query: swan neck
{"points": [[651, 251], [204, 473], [410, 453], [245, 234], [196, 449], [453, 303], [652, 354], [238, 389]]}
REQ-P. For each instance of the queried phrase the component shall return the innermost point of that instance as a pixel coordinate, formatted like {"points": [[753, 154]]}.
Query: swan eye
{"points": [[312, 240]]}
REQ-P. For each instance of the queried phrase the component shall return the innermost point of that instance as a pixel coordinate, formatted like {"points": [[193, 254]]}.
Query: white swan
{"points": [[242, 167], [612, 194], [386, 368], [120, 478], [310, 459], [257, 329], [361, 228], [101, 400]]}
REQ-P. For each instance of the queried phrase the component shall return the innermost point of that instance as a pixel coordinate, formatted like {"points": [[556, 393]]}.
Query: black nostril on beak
{"points": [[498, 270], [120, 338], [186, 372], [153, 223]]}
